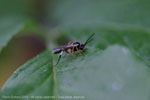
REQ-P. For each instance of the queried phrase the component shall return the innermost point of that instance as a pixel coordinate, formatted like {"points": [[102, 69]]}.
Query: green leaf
{"points": [[8, 28], [114, 74], [12, 20], [35, 78]]}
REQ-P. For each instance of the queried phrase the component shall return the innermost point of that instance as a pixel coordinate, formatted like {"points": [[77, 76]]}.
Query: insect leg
{"points": [[59, 57], [65, 50], [78, 51], [72, 50]]}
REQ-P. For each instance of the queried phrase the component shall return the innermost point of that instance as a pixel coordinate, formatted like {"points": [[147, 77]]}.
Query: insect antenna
{"points": [[89, 39]]}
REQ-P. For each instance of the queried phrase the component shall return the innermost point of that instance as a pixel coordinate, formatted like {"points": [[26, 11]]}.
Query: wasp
{"points": [[73, 47]]}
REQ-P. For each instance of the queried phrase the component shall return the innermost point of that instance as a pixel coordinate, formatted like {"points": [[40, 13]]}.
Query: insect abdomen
{"points": [[56, 51]]}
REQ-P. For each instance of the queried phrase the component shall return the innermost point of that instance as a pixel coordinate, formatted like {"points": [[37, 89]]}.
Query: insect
{"points": [[73, 47]]}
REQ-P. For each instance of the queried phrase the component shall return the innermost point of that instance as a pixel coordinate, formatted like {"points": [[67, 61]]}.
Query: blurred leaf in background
{"points": [[16, 25], [121, 13], [13, 19]]}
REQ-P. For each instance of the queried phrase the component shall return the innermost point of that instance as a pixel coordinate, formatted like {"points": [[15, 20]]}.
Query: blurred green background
{"points": [[29, 27]]}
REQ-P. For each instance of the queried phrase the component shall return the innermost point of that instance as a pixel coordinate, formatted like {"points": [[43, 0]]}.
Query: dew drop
{"points": [[15, 74]]}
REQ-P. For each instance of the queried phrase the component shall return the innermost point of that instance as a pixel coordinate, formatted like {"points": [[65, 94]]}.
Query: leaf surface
{"points": [[35, 78]]}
